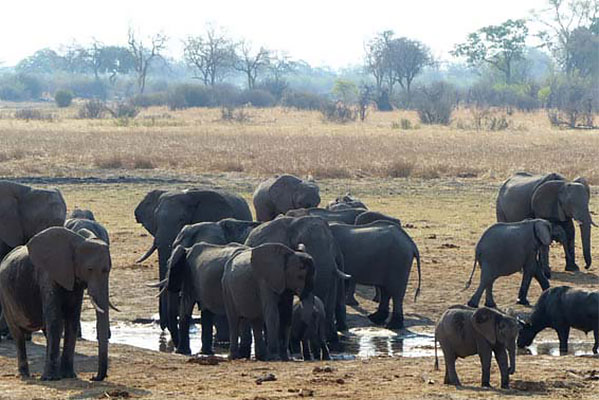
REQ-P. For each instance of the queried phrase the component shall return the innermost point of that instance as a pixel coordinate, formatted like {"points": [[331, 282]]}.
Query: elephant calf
{"points": [[463, 331], [308, 326], [345, 216], [367, 217], [562, 308], [506, 248], [344, 202]]}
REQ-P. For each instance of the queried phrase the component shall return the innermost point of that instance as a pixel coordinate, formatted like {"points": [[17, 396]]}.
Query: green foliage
{"points": [[150, 99], [573, 101], [345, 91], [63, 98], [19, 87], [257, 98], [302, 100], [338, 113]]}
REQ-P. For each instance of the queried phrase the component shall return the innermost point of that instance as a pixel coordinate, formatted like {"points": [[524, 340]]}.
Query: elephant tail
{"points": [[472, 273], [417, 255], [436, 357]]}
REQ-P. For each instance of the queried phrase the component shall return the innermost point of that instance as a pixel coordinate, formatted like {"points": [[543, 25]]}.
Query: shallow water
{"points": [[361, 342]]}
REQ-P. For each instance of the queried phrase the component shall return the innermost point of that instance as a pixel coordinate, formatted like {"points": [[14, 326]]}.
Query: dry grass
{"points": [[277, 140]]}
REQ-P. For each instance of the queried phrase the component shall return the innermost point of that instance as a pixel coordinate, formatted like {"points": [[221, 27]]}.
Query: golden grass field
{"points": [[440, 181]]}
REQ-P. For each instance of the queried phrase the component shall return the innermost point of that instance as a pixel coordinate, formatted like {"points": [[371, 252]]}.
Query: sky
{"points": [[321, 32]]}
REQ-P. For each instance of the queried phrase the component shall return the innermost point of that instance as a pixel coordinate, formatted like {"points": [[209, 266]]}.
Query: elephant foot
{"points": [[379, 317], [595, 348], [524, 302], [351, 301], [486, 384], [396, 322], [506, 386], [50, 376], [587, 266], [186, 351], [490, 304], [68, 374], [273, 357], [341, 326], [472, 304], [572, 268], [24, 372]]}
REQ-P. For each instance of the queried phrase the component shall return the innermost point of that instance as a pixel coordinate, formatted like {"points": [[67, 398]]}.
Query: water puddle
{"points": [[363, 342]]}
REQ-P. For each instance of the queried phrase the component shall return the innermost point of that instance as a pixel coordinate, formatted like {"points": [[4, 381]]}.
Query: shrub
{"points": [[63, 98], [339, 113], [123, 109], [92, 109], [400, 169], [29, 114], [187, 95], [257, 98], [19, 87], [232, 114], [435, 103], [303, 100], [150, 99], [88, 88], [572, 102]]}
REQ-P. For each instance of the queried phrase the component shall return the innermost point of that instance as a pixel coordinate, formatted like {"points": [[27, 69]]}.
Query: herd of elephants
{"points": [[244, 274]]}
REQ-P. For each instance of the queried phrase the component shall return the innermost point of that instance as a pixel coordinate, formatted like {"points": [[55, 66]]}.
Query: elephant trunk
{"points": [[511, 349], [173, 303], [585, 234], [103, 332]]}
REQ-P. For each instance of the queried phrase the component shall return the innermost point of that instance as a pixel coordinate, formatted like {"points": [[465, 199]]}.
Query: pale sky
{"points": [[321, 32]]}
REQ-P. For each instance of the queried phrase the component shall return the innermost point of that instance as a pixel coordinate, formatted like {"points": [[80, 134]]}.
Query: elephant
{"points": [[163, 214], [379, 254], [308, 327], [346, 216], [258, 285], [197, 272], [562, 308], [283, 193], [344, 202], [553, 198], [41, 287], [463, 332], [506, 248], [76, 224], [82, 214], [367, 217], [316, 235]]}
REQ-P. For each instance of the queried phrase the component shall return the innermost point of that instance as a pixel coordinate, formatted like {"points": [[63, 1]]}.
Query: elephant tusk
{"points": [[161, 291], [113, 306], [157, 284], [148, 254], [343, 275], [96, 306], [594, 224]]}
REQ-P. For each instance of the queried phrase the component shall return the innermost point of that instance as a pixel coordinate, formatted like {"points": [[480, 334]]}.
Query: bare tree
{"points": [[211, 55], [377, 58], [407, 59], [251, 63], [143, 56]]}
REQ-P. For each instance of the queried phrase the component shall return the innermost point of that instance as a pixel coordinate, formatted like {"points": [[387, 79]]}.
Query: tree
{"points": [[345, 91], [499, 46], [42, 61], [251, 63], [211, 55], [144, 56], [583, 48], [376, 62], [563, 22], [407, 58]]}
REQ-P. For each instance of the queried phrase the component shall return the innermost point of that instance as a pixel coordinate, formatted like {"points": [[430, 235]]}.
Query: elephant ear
{"points": [[546, 203], [269, 262], [175, 269], [11, 231], [483, 321], [282, 190], [52, 250], [208, 206], [584, 183], [542, 230]]}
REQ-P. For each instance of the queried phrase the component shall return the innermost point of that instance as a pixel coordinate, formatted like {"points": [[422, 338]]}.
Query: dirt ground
{"points": [[444, 216]]}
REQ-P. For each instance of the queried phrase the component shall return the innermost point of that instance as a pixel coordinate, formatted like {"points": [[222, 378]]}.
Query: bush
{"points": [[257, 98], [232, 114], [187, 95], [63, 98], [92, 109], [19, 87], [123, 110], [29, 114], [339, 113], [150, 99], [572, 102], [435, 103], [303, 100], [88, 88]]}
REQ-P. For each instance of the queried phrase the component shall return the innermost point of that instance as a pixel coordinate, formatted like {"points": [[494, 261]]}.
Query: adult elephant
{"points": [[319, 242], [553, 198], [164, 213], [345, 216], [283, 193], [344, 202]]}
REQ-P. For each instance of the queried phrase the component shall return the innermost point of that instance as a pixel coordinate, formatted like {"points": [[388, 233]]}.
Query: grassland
{"points": [[440, 181]]}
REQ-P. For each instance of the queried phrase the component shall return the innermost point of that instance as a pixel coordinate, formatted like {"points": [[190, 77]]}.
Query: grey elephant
{"points": [[258, 287], [380, 254], [308, 327], [82, 213], [283, 193], [345, 216], [345, 201], [562, 308], [506, 248], [368, 217], [197, 273], [463, 332], [165, 213], [316, 235], [553, 198], [41, 287], [76, 224]]}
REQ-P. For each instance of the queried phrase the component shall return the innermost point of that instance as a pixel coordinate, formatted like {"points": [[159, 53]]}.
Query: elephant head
{"points": [[497, 328], [25, 211], [289, 192], [145, 210], [82, 214], [559, 201], [235, 230], [282, 269], [68, 257]]}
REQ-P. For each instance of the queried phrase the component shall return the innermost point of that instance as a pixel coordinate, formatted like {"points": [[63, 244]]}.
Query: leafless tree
{"points": [[407, 59], [377, 58], [144, 56], [211, 55], [251, 63]]}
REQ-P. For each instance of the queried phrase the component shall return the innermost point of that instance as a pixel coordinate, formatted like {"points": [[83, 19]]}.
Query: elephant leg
{"points": [[540, 277], [173, 301], [501, 358], [306, 351], [484, 281], [563, 332], [329, 300], [526, 278], [233, 336], [399, 292], [260, 346], [380, 316], [340, 311], [246, 339], [489, 301], [54, 329], [163, 306], [569, 246], [272, 320], [485, 362], [324, 350], [285, 317], [350, 293], [185, 313], [72, 319], [596, 334], [451, 375], [19, 336], [222, 328]]}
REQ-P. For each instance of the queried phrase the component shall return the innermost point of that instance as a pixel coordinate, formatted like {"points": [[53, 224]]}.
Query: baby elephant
{"points": [[463, 331], [308, 326], [562, 308], [506, 248]]}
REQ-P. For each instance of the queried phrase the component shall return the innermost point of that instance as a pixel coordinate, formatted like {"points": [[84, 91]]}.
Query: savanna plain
{"points": [[440, 181]]}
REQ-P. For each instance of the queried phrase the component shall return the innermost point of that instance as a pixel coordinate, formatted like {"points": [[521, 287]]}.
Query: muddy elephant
{"points": [[506, 248], [258, 287], [344, 202], [283, 193], [553, 198], [308, 327], [463, 331], [379, 254], [345, 216], [41, 287], [163, 214], [562, 308], [316, 235]]}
